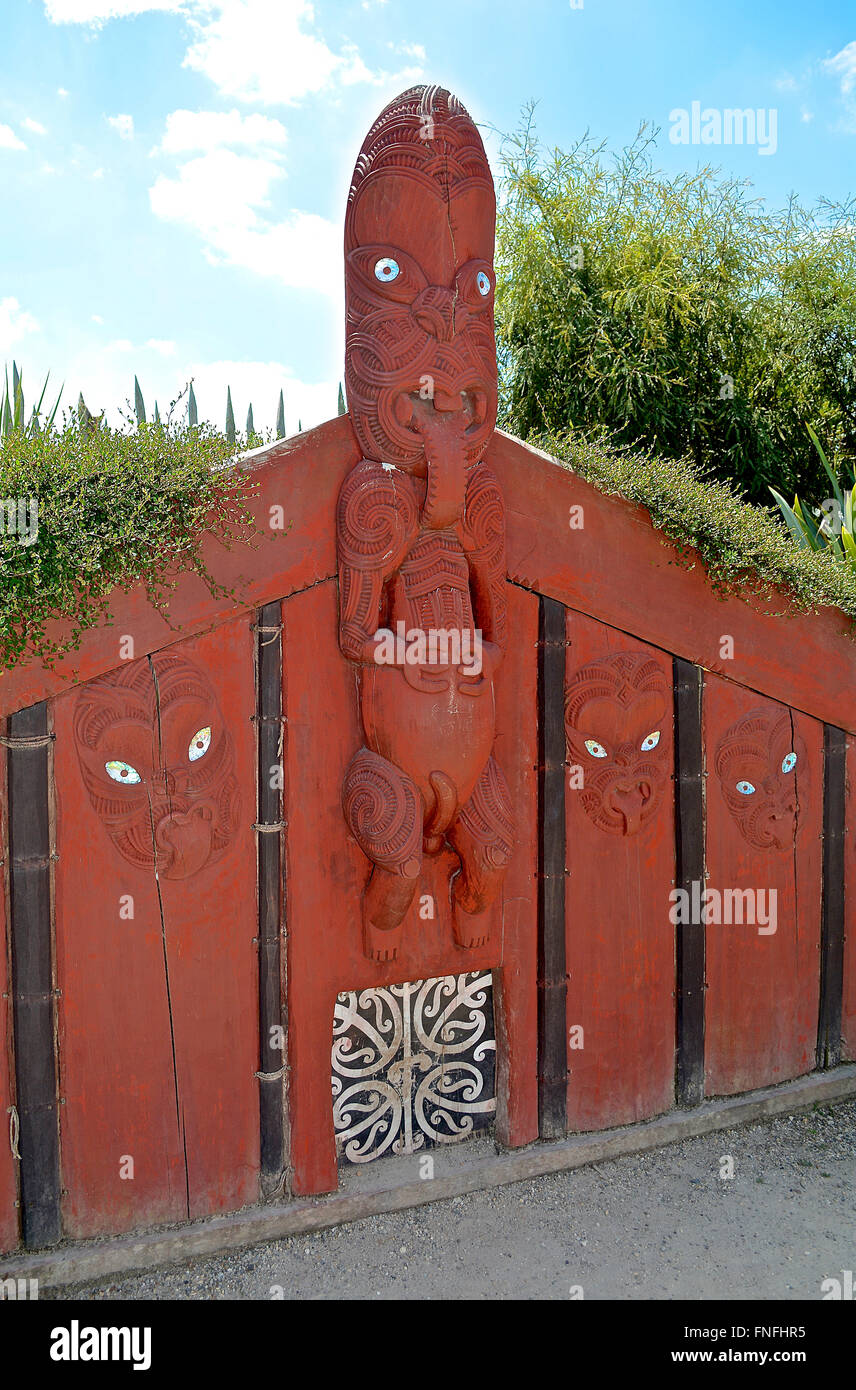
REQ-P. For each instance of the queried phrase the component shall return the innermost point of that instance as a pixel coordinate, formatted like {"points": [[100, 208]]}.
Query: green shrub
{"points": [[114, 508], [677, 311], [745, 548]]}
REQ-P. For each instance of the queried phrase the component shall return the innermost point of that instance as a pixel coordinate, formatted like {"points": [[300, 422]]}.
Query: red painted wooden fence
{"points": [[158, 1034], [326, 874], [764, 827], [620, 944], [156, 915]]}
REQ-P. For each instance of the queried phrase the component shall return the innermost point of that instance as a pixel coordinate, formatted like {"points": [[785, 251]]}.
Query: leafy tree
{"points": [[676, 312]]}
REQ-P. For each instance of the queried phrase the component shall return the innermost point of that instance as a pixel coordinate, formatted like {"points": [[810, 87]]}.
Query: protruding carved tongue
{"points": [[443, 433]]}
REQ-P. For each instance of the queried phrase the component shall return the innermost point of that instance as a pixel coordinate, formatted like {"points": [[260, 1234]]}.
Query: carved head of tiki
{"points": [[618, 729], [762, 763], [158, 763], [420, 364]]}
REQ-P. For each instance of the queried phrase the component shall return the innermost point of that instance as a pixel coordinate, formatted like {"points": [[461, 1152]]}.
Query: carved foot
{"points": [[384, 811], [380, 945]]}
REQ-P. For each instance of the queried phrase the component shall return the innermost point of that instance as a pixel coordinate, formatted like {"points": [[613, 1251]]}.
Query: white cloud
{"points": [[220, 195], [105, 377], [123, 125], [844, 65], [120, 345], [96, 318], [98, 173], [99, 11], [259, 50], [9, 140], [209, 130], [265, 50], [165, 346], [35, 126], [15, 324], [62, 92], [259, 384], [806, 115], [255, 50]]}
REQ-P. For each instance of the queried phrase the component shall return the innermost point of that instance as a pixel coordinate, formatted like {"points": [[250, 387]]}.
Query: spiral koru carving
{"points": [[413, 1065], [383, 809]]}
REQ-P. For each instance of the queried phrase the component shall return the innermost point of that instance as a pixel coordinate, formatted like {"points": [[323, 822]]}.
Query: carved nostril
{"points": [[448, 401]]}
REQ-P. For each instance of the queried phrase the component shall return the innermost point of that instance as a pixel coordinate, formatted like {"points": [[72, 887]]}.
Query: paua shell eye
{"points": [[596, 749], [386, 270], [745, 788], [483, 283], [199, 744], [789, 762], [651, 741], [122, 772]]}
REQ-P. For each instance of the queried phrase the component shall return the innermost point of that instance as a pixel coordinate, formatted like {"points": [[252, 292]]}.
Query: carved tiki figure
{"points": [[420, 523]]}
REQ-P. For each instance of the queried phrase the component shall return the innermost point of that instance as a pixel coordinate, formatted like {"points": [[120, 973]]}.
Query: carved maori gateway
{"points": [[455, 819]]}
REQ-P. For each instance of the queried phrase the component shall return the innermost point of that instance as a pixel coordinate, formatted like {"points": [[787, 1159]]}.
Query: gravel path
{"points": [[661, 1225]]}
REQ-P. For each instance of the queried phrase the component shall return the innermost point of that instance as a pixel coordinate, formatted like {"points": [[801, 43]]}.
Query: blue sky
{"points": [[174, 171]]}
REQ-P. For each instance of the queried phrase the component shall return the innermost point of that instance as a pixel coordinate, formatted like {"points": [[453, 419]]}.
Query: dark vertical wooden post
{"points": [[270, 866], [832, 910], [32, 974], [689, 868], [552, 985]]}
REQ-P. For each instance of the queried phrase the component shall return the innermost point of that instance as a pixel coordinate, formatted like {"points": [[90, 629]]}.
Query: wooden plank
{"points": [[272, 1011], [32, 975], [82, 1263], [620, 1022], [689, 869], [848, 1010], [617, 568], [159, 1013], [516, 981], [326, 873], [9, 1224], [763, 985], [211, 922], [552, 984], [832, 919]]}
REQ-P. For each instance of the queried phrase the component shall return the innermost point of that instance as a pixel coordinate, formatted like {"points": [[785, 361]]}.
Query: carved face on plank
{"points": [[618, 725], [158, 764], [419, 280], [761, 763]]}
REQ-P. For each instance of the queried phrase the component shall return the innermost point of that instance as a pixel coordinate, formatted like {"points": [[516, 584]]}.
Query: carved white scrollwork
{"points": [[413, 1064]]}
